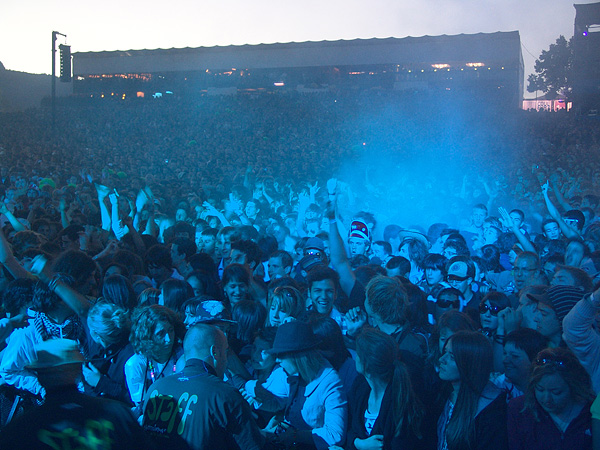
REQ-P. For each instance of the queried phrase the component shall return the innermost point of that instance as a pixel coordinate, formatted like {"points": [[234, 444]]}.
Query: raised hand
{"points": [[506, 219], [113, 199], [313, 189], [545, 188]]}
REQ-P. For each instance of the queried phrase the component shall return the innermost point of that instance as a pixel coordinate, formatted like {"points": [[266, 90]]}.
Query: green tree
{"points": [[553, 69]]}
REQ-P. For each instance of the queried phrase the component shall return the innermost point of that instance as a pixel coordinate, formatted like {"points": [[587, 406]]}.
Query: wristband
{"points": [[53, 283]]}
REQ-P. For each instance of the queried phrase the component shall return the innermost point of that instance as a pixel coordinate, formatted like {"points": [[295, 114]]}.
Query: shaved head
{"points": [[207, 343]]}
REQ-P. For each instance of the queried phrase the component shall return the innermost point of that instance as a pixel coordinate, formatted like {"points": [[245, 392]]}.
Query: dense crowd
{"points": [[362, 270]]}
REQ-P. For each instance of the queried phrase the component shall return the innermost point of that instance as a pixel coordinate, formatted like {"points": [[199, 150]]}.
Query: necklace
{"points": [[153, 375]]}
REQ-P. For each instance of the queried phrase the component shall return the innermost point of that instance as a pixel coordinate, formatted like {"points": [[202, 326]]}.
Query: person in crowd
{"points": [[280, 264], [248, 253], [359, 239], [204, 282], [285, 303], [174, 293], [48, 182], [118, 289], [384, 411], [68, 417], [149, 296], [491, 304], [216, 415], [109, 325], [474, 229], [461, 274], [322, 294], [181, 252], [53, 319], [204, 309], [520, 349], [581, 335], [455, 245], [160, 265], [415, 251], [398, 266], [489, 308], [556, 406], [268, 390], [382, 250], [526, 271], [15, 301], [387, 309], [552, 307], [236, 283], [435, 274], [447, 299], [225, 237], [571, 276], [551, 229], [317, 413], [316, 247], [209, 238], [334, 349], [474, 415], [156, 334], [249, 317]]}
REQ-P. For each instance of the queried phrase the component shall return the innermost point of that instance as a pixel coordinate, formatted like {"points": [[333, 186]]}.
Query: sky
{"points": [[26, 25]]}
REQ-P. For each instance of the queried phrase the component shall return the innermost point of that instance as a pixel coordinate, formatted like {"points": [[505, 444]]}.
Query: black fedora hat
{"points": [[294, 336]]}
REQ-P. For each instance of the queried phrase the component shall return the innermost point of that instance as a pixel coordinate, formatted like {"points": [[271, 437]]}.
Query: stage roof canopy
{"points": [[490, 48]]}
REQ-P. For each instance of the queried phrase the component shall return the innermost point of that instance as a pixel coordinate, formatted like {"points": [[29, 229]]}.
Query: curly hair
{"points": [[144, 322], [44, 300], [17, 295], [76, 264]]}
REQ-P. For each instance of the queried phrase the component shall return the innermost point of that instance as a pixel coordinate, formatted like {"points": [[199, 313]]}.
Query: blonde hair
{"points": [[109, 321]]}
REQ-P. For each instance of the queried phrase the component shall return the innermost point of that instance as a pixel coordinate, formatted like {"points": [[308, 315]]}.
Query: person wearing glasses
{"points": [[316, 247], [555, 410], [461, 273], [447, 299], [527, 271], [490, 306]]}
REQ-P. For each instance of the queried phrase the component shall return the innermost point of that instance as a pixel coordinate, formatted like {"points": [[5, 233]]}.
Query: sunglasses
{"points": [[448, 304], [494, 310], [549, 362], [451, 278]]}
